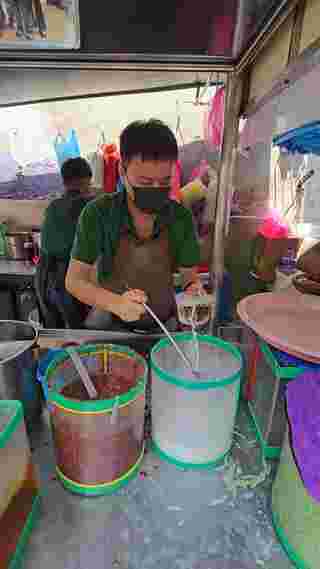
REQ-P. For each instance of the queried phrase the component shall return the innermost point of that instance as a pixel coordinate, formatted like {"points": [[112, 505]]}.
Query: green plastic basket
{"points": [[267, 410]]}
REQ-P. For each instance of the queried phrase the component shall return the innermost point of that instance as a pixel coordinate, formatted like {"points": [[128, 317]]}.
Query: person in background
{"points": [[201, 201], [129, 244], [57, 236], [30, 17], [4, 16]]}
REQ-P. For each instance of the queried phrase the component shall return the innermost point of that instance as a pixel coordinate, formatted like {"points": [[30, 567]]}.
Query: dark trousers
{"points": [[29, 15]]}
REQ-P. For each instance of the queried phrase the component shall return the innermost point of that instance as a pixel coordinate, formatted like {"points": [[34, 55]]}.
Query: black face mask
{"points": [[151, 199]]}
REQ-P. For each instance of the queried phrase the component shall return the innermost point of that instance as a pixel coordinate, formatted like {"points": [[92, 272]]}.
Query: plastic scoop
{"points": [[172, 340], [82, 371]]}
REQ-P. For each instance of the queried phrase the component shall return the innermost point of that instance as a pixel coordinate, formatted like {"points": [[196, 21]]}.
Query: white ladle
{"points": [[172, 340], [83, 372]]}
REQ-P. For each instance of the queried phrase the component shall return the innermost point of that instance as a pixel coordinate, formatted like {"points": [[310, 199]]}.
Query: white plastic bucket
{"points": [[193, 419]]}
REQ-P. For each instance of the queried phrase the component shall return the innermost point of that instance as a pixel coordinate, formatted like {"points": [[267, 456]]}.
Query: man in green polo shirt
{"points": [[129, 244], [57, 235]]}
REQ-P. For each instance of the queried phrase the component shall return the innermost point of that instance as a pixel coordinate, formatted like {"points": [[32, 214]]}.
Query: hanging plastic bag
{"points": [[111, 167], [66, 147], [269, 246], [96, 161], [199, 170]]}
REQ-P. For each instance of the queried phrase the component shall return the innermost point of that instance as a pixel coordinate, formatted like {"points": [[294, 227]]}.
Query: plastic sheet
{"points": [[303, 402]]}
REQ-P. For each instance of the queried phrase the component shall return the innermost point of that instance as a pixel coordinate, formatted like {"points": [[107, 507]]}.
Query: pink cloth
{"points": [[215, 121]]}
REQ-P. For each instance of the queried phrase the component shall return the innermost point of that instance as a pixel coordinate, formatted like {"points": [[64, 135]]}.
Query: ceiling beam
{"points": [[306, 62], [296, 31], [285, 8]]}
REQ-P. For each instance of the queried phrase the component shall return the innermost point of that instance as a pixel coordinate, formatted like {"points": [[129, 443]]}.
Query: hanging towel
{"points": [[215, 120], [303, 402]]}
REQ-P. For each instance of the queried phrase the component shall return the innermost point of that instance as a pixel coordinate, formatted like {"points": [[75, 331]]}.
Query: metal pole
{"points": [[233, 98]]}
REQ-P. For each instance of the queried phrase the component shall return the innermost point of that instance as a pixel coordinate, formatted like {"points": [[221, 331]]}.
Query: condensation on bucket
{"points": [[190, 425]]}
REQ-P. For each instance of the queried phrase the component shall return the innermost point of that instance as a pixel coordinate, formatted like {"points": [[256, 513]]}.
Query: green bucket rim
{"points": [[193, 385], [13, 420], [210, 465], [55, 398]]}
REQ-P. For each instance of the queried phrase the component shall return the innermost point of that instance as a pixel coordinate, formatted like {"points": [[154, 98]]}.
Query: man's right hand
{"points": [[130, 307]]}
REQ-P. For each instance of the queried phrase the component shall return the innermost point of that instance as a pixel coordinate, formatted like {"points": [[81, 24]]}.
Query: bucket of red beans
{"points": [[99, 443]]}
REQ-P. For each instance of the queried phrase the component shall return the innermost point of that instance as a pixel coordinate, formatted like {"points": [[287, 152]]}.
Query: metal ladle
{"points": [[172, 340], [82, 371]]}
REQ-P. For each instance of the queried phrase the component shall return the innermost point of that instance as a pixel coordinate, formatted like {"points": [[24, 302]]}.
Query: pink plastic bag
{"points": [[273, 228], [199, 170]]}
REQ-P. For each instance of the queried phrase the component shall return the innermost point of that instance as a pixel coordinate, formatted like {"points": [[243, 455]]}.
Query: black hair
{"points": [[75, 168], [149, 140]]}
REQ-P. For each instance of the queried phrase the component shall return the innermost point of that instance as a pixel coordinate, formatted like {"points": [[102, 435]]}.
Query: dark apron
{"points": [[146, 265]]}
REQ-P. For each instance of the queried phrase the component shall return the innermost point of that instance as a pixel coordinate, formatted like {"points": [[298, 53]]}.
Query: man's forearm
{"points": [[92, 294]]}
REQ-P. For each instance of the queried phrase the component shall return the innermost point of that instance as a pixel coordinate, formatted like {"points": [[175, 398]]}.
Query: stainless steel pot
{"points": [[18, 369], [36, 237], [19, 245]]}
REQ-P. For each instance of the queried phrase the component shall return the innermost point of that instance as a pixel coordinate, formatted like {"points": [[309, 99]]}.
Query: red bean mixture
{"points": [[107, 385]]}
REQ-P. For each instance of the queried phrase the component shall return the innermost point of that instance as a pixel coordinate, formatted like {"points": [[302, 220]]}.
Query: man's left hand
{"points": [[195, 289]]}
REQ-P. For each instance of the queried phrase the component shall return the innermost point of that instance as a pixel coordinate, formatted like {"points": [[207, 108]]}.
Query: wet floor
{"points": [[166, 518]]}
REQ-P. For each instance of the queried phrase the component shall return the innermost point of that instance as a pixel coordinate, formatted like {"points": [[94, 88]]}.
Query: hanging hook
{"points": [[102, 136], [206, 87], [178, 123], [197, 99]]}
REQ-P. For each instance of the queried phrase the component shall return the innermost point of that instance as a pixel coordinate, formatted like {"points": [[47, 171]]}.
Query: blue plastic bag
{"points": [[67, 147]]}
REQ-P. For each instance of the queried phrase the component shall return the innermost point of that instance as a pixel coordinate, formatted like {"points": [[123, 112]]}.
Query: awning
{"points": [[302, 140]]}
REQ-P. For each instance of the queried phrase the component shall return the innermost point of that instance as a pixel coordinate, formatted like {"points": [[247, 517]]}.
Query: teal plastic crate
{"points": [[16, 561], [17, 478], [267, 407]]}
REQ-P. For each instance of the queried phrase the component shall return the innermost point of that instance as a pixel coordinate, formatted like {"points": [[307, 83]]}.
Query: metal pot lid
{"points": [[15, 338]]}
